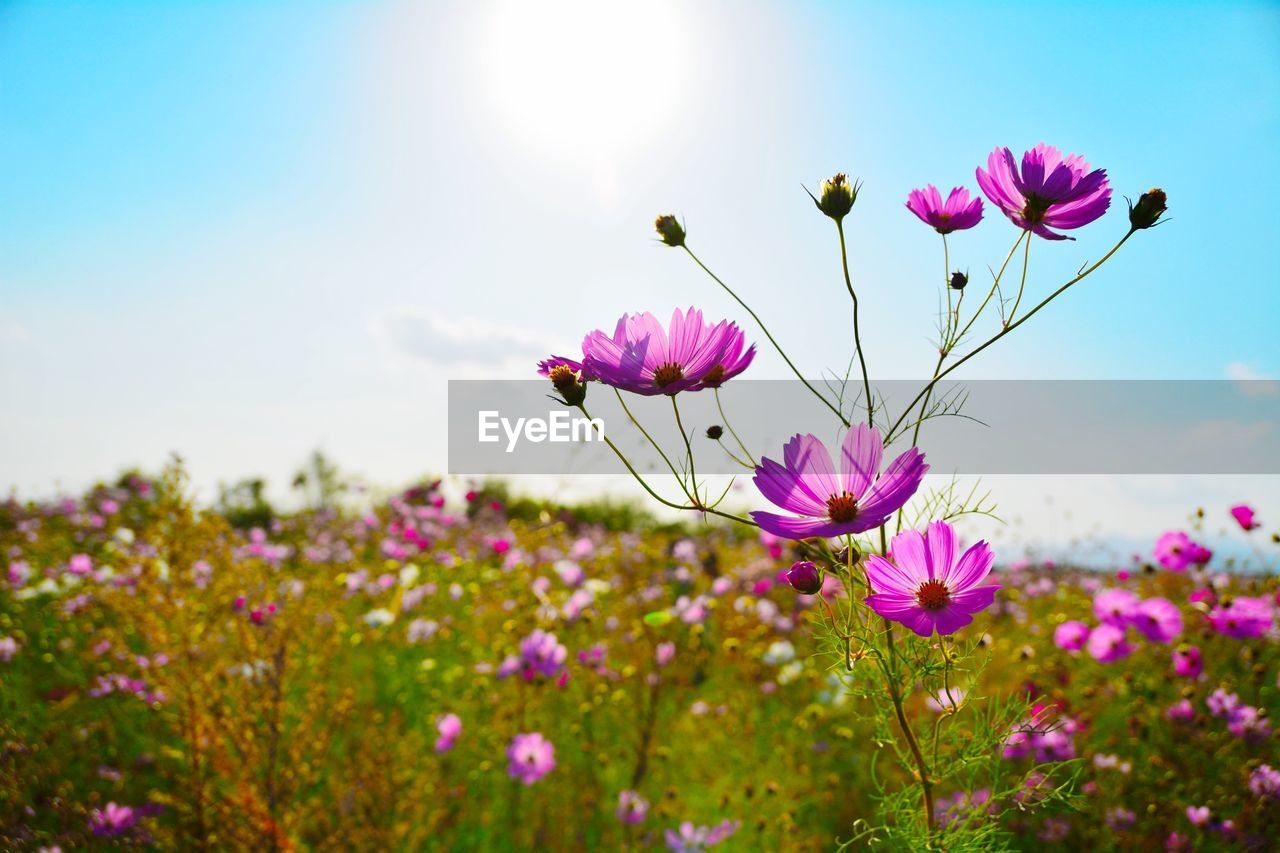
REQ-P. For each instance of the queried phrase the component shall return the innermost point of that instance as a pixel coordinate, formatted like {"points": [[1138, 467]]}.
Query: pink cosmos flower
{"points": [[8, 648], [1071, 636], [449, 727], [1265, 781], [1175, 550], [80, 564], [1198, 815], [530, 757], [1157, 619], [665, 653], [1242, 617], [1181, 711], [1244, 516], [956, 214], [1221, 703], [632, 808], [1107, 644], [1050, 191], [926, 587], [859, 498], [112, 820], [1115, 607], [1188, 662], [644, 358]]}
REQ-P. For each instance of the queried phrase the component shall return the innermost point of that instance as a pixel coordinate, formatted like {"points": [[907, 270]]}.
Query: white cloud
{"points": [[458, 342]]}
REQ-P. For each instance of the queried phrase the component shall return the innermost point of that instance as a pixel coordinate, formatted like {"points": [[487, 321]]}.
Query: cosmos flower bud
{"points": [[1150, 206], [714, 432], [848, 556], [669, 230], [838, 196], [567, 377], [805, 577], [958, 280]]}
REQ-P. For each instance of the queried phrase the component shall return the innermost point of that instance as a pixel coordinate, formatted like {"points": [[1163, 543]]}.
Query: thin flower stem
{"points": [[734, 456], [995, 285], [674, 471], [688, 448], [1026, 257], [659, 498], [634, 473], [732, 431], [857, 335], [946, 285], [1052, 296], [776, 346], [926, 784]]}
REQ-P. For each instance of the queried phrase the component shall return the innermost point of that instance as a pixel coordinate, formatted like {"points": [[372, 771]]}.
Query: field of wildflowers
{"points": [[488, 673], [839, 667]]}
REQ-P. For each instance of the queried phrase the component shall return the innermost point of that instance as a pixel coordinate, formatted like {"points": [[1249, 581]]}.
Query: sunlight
{"points": [[582, 77]]}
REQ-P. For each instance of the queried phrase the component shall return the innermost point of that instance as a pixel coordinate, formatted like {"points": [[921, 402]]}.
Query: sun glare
{"points": [[585, 76]]}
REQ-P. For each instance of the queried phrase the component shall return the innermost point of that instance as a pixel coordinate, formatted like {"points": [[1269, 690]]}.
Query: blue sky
{"points": [[242, 230]]}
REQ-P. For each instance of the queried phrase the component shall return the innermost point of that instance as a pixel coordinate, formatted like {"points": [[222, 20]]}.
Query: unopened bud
{"points": [[1150, 206], [837, 197], [669, 230], [958, 280], [805, 577], [848, 556], [714, 432]]}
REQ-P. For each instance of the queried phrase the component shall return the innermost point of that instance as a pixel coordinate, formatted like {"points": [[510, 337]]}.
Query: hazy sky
{"points": [[242, 230]]}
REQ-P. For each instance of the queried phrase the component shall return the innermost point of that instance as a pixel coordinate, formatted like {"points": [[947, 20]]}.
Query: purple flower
{"points": [[1246, 721], [530, 757], [1242, 617], [541, 654], [1071, 636], [859, 498], [1049, 192], [644, 358], [112, 820], [1115, 607], [1107, 644], [1221, 703], [927, 587], [449, 726], [956, 214], [1157, 619], [689, 838], [1265, 781], [805, 577], [1198, 815], [632, 808], [1187, 661]]}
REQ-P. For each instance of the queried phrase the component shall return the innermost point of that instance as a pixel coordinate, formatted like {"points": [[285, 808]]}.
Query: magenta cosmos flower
{"points": [[643, 357], [1157, 619], [1071, 636], [957, 213], [449, 727], [1107, 644], [1048, 192], [926, 587], [530, 757], [1244, 516], [1242, 617], [858, 498]]}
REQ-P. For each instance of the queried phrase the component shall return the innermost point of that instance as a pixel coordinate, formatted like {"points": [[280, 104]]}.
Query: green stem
{"points": [[776, 346], [1026, 257], [857, 336], [688, 448], [1006, 330], [732, 431], [995, 285], [926, 784]]}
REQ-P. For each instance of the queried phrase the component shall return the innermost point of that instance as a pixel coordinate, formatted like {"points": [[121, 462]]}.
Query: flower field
{"points": [[483, 672]]}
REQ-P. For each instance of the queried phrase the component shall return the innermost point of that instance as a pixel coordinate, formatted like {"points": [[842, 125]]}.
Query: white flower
{"points": [[379, 618]]}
